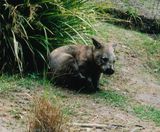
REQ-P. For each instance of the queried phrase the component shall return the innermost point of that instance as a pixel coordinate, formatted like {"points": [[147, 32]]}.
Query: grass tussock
{"points": [[29, 29], [45, 117]]}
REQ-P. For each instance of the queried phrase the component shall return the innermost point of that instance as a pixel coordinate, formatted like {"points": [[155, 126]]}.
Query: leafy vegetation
{"points": [[30, 28]]}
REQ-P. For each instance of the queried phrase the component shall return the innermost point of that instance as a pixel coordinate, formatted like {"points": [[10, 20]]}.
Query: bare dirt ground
{"points": [[131, 79]]}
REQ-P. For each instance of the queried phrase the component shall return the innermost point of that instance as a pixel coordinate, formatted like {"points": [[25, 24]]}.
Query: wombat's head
{"points": [[104, 56]]}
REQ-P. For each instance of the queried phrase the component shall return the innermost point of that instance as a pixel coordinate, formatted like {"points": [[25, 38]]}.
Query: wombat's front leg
{"points": [[95, 81], [89, 85]]}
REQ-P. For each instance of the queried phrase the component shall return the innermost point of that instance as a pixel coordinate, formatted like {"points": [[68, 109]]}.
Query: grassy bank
{"points": [[145, 46]]}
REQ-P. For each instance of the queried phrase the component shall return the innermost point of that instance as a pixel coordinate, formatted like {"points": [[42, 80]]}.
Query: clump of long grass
{"points": [[45, 117], [30, 28]]}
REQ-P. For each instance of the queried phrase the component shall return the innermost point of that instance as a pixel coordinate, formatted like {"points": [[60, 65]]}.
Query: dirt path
{"points": [[93, 112], [139, 82]]}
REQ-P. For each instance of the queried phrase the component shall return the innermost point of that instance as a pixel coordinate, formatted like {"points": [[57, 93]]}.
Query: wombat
{"points": [[80, 66]]}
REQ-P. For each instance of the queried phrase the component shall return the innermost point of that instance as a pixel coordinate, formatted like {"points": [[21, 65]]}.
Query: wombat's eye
{"points": [[105, 59]]}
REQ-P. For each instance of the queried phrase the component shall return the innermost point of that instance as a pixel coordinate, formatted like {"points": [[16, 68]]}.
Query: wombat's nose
{"points": [[109, 71]]}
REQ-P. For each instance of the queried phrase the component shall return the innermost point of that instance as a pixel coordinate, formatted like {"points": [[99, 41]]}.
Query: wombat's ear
{"points": [[96, 43]]}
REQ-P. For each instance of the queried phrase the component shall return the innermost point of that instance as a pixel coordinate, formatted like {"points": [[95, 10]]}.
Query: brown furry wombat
{"points": [[80, 66]]}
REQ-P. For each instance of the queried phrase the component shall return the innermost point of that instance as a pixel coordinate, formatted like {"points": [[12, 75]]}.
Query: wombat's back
{"points": [[61, 55], [70, 49]]}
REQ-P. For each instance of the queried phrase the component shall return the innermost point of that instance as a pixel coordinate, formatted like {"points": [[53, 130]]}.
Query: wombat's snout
{"points": [[109, 71]]}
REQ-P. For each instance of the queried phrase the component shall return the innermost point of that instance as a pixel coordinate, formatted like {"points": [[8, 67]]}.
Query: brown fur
{"points": [[80, 66]]}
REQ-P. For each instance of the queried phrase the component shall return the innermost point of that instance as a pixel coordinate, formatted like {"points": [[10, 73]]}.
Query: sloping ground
{"points": [[133, 79], [91, 111], [147, 8], [140, 15], [140, 84], [80, 109]]}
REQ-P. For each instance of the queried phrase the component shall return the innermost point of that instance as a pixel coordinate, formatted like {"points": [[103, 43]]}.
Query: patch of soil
{"points": [[148, 98], [87, 110], [14, 108]]}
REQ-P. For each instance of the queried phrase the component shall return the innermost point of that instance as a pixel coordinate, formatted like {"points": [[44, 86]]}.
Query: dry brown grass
{"points": [[45, 117]]}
